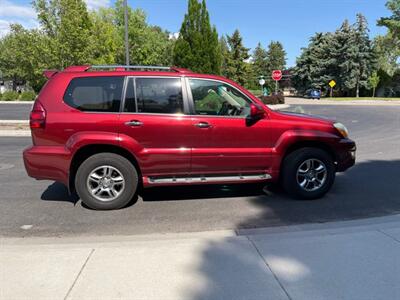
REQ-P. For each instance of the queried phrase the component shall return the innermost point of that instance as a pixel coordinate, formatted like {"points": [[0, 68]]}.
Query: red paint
{"points": [[171, 145]]}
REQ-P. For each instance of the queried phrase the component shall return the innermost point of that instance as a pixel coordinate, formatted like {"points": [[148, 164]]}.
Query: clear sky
{"points": [[291, 22]]}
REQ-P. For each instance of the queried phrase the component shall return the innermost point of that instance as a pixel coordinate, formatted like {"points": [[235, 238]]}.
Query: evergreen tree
{"points": [[237, 68], [342, 58], [345, 56], [197, 47], [260, 65], [276, 60], [312, 69], [361, 56], [223, 46]]}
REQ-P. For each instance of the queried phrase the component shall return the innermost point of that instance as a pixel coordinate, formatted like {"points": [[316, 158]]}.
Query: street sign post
{"points": [[276, 75], [332, 84]]}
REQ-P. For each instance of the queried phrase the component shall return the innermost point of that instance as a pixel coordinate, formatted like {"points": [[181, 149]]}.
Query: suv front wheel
{"points": [[308, 173], [106, 181]]}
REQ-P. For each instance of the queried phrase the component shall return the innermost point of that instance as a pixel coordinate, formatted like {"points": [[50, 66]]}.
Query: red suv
{"points": [[106, 131]]}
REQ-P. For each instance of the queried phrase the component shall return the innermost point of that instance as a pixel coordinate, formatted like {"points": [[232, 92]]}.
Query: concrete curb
{"points": [[329, 228], [278, 106], [14, 133], [17, 102], [14, 122]]}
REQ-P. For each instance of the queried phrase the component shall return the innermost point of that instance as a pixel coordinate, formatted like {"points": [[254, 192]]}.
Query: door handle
{"points": [[134, 123], [203, 125]]}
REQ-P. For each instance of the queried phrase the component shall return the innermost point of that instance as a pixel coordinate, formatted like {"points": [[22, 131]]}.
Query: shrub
{"points": [[9, 96], [273, 99], [27, 96]]}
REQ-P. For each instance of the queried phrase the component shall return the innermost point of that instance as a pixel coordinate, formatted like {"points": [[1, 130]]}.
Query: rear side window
{"points": [[156, 95], [100, 94]]}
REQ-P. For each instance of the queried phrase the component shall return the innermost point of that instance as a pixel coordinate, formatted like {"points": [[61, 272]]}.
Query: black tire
{"points": [[291, 164], [119, 163]]}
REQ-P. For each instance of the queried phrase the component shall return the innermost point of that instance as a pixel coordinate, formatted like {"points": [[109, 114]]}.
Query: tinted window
{"points": [[217, 98], [159, 95], [95, 93]]}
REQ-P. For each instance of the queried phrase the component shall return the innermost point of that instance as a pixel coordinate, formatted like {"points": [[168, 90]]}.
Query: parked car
{"points": [[106, 132], [313, 94]]}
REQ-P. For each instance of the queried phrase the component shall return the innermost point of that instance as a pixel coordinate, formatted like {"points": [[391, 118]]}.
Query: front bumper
{"points": [[346, 154]]}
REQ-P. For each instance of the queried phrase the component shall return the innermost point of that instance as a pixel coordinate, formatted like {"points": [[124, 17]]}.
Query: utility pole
{"points": [[126, 33]]}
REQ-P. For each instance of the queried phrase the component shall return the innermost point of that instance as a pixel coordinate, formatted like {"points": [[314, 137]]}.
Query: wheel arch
{"points": [[88, 150], [310, 144]]}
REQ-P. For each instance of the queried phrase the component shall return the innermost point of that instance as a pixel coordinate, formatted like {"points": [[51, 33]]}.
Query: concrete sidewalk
{"points": [[344, 260]]}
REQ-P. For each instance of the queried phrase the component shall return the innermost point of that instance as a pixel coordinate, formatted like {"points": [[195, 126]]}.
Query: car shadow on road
{"points": [[59, 192], [198, 192], [369, 189]]}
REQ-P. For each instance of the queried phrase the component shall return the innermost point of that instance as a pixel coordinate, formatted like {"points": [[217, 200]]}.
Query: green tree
{"points": [[237, 68], [223, 45], [260, 64], [313, 67], [361, 56], [393, 22], [341, 60], [23, 56], [276, 60], [103, 41], [373, 82], [148, 45], [389, 45], [197, 47], [347, 56], [68, 25]]}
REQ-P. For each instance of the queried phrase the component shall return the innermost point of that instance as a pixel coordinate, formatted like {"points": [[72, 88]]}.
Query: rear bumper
{"points": [[346, 154], [47, 163]]}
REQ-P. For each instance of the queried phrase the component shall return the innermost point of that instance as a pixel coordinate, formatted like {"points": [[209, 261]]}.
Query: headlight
{"points": [[342, 129]]}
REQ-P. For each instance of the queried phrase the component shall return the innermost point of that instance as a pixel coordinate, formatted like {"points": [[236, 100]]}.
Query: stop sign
{"points": [[276, 75]]}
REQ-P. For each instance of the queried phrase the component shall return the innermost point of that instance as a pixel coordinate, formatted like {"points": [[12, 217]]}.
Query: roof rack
{"points": [[138, 67], [85, 68]]}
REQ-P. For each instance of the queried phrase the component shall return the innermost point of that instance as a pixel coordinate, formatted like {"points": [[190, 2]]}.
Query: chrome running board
{"points": [[208, 179]]}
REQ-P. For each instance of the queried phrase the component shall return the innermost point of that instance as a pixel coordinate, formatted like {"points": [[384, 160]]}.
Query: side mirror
{"points": [[256, 112]]}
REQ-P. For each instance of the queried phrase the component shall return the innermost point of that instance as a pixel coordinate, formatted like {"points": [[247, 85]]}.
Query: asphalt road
{"points": [[371, 188], [20, 111]]}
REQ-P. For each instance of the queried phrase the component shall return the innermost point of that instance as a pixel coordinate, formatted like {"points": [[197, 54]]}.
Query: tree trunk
{"points": [[373, 92], [14, 83], [358, 90]]}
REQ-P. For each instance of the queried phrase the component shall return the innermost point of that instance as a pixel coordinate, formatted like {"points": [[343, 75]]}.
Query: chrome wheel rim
{"points": [[311, 175], [105, 183]]}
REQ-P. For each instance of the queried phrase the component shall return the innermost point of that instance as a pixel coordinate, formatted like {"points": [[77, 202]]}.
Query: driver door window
{"points": [[218, 99]]}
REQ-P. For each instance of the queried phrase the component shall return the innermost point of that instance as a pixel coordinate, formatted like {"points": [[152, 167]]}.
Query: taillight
{"points": [[38, 116]]}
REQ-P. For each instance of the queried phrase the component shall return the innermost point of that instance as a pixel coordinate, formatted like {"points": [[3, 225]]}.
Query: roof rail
{"points": [[138, 67], [125, 67], [85, 68]]}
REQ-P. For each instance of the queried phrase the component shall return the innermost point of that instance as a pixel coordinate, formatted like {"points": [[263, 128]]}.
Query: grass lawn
{"points": [[360, 98]]}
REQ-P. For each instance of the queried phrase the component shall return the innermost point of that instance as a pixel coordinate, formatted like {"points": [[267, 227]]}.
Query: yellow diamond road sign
{"points": [[332, 83]]}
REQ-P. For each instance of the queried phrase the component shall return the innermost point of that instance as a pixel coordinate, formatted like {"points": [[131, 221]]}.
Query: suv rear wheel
{"points": [[106, 181], [308, 173]]}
